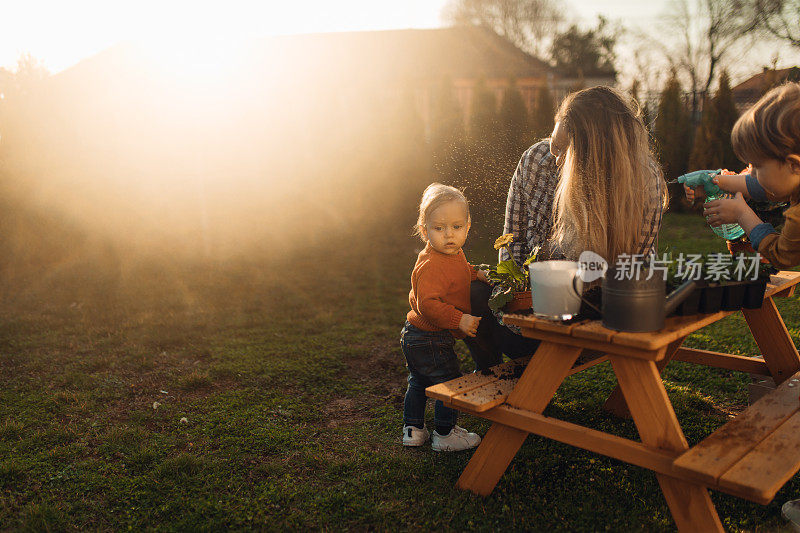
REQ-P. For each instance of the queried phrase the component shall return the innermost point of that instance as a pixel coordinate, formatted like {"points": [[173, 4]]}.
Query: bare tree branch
{"points": [[778, 18], [529, 24], [707, 31]]}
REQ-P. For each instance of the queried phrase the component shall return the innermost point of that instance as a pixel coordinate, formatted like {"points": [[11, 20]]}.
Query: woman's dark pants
{"points": [[493, 339]]}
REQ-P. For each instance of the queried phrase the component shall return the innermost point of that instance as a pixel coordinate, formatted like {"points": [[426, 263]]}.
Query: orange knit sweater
{"points": [[440, 291]]}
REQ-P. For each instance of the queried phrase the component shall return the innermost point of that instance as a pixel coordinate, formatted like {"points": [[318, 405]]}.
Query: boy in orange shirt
{"points": [[440, 307]]}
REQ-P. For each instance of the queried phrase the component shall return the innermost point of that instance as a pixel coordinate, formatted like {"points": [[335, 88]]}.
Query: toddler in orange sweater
{"points": [[440, 307]]}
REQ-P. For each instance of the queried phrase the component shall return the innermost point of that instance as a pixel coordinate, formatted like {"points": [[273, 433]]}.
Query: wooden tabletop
{"points": [[675, 327]]}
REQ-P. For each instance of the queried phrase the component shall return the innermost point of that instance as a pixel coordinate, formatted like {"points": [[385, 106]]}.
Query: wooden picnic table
{"points": [[751, 456]]}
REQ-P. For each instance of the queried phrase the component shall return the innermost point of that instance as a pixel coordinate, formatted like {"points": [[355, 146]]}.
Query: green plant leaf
{"points": [[531, 258], [511, 267], [499, 300]]}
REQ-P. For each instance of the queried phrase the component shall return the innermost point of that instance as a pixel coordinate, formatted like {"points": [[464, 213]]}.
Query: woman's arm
{"points": [[529, 206], [652, 223], [516, 215]]}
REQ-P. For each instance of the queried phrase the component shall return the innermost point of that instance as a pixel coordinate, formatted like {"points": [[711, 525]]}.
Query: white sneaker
{"points": [[458, 439], [414, 436], [791, 512]]}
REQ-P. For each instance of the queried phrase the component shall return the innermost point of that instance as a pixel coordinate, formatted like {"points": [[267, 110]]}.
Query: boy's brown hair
{"points": [[771, 128]]}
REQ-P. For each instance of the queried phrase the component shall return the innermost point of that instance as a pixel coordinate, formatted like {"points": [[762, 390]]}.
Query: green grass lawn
{"points": [[290, 376]]}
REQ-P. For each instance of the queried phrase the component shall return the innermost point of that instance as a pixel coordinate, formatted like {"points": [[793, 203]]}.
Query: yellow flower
{"points": [[504, 240]]}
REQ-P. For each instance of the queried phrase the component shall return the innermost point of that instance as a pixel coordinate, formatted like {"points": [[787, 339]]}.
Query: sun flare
{"points": [[195, 60]]}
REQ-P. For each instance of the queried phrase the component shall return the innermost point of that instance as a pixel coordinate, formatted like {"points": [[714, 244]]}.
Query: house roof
{"points": [[457, 52], [755, 86], [429, 53]]}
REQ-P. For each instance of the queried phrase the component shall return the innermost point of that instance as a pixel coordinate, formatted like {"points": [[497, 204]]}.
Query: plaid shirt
{"points": [[529, 207]]}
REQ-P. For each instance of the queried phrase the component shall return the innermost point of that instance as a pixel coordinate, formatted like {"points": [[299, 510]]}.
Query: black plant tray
{"points": [[733, 295], [754, 294], [710, 298], [690, 305]]}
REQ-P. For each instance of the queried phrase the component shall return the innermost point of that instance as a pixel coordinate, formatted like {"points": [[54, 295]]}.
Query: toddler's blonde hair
{"points": [[771, 128], [434, 196]]}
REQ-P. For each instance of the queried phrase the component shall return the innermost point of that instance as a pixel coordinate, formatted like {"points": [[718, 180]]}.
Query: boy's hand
{"points": [[469, 324], [725, 211], [728, 182], [731, 183], [483, 275], [694, 194]]}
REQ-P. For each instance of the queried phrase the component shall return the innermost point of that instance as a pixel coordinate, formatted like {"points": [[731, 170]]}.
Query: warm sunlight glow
{"points": [[196, 61]]}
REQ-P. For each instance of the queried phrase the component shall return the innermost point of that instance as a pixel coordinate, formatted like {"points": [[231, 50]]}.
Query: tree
{"points": [[487, 178], [14, 86], [529, 24], [778, 18], [513, 120], [29, 74], [707, 31], [542, 114], [483, 121], [642, 105], [712, 147], [727, 114], [587, 53], [672, 130], [448, 138]]}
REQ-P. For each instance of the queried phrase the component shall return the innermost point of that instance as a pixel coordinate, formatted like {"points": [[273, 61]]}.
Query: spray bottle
{"points": [[703, 178]]}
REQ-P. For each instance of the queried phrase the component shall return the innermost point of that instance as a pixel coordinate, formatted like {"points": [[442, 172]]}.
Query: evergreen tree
{"points": [[542, 114], [513, 119], [727, 116], [647, 117], [483, 122], [408, 158], [486, 181], [706, 150], [634, 90], [712, 147], [672, 136], [640, 103], [448, 138], [672, 129]]}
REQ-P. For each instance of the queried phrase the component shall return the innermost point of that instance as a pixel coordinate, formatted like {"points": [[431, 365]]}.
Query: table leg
{"points": [[615, 404], [655, 419], [774, 341], [545, 372]]}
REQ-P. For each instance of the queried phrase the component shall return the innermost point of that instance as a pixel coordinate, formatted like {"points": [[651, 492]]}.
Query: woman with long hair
{"points": [[593, 185]]}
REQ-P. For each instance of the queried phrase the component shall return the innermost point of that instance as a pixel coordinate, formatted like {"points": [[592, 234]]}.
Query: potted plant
{"points": [[515, 293]]}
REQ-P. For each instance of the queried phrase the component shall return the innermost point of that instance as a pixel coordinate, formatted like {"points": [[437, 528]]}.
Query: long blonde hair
{"points": [[603, 198]]}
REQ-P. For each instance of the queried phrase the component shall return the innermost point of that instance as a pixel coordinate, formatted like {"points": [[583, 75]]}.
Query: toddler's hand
{"points": [[483, 275], [469, 324], [725, 211]]}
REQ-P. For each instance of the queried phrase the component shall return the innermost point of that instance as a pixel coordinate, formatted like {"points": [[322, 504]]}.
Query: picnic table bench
{"points": [[752, 456]]}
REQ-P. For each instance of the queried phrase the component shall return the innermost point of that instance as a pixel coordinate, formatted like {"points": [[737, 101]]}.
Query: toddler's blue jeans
{"points": [[430, 359]]}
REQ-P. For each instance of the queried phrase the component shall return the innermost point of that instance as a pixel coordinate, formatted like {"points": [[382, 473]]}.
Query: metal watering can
{"points": [[639, 304]]}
